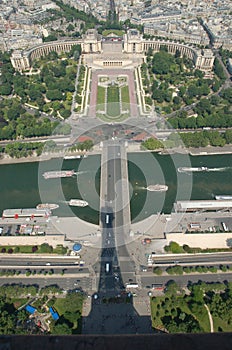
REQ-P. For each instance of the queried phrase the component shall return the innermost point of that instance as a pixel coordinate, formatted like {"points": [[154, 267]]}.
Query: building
{"points": [[131, 50], [203, 205]]}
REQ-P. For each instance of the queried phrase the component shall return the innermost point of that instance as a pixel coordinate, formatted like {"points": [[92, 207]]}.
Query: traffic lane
{"points": [[113, 175], [185, 279], [110, 180], [41, 269], [108, 285], [66, 259], [127, 266], [191, 259], [67, 283], [106, 280], [108, 239], [37, 265], [113, 191], [122, 251]]}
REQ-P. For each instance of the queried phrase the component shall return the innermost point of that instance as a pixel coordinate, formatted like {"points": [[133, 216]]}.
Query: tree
{"points": [[162, 62], [46, 248], [13, 112], [22, 315], [176, 100], [157, 270], [172, 288], [34, 93], [70, 27], [215, 100], [228, 136], [61, 328], [5, 89], [218, 69], [152, 144], [227, 95], [54, 95], [50, 37], [198, 73]]}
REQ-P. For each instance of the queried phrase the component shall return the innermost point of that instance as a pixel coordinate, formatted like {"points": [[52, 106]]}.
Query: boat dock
{"points": [[28, 212]]}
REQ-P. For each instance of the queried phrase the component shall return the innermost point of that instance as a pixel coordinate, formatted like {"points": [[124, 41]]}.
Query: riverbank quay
{"points": [[5, 159], [131, 147]]}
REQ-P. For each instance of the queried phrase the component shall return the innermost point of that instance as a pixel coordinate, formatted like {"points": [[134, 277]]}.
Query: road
{"points": [[67, 283], [193, 259], [113, 273], [183, 280]]}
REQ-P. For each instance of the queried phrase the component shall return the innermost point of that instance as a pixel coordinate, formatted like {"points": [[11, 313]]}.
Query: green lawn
{"points": [[113, 107], [221, 325], [114, 31], [71, 309], [125, 94], [101, 98], [163, 306], [112, 94]]}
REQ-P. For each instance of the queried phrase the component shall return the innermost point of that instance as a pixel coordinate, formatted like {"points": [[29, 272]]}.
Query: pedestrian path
{"points": [[210, 318]]}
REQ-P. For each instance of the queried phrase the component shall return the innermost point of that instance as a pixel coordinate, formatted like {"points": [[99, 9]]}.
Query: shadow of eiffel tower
{"points": [[112, 310]]}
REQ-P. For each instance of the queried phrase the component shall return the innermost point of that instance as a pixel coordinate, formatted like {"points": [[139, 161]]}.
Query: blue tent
{"points": [[54, 314], [30, 309], [77, 247]]}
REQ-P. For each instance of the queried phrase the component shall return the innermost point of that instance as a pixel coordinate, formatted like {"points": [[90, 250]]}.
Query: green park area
{"points": [[25, 97], [14, 318], [184, 310], [70, 309], [110, 105], [172, 83], [192, 139]]}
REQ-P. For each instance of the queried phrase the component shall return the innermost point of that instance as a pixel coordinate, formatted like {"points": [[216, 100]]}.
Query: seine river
{"points": [[23, 186]]}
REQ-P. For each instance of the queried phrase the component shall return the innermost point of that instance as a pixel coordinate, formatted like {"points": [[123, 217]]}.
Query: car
{"points": [[48, 264]]}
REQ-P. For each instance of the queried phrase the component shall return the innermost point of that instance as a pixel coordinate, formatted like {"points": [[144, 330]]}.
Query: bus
{"points": [[132, 285], [157, 286], [225, 228], [107, 268], [107, 219]]}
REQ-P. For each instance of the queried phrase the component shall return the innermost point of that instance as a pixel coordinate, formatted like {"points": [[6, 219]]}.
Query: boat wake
{"points": [[218, 169], [187, 170], [140, 188], [81, 172]]}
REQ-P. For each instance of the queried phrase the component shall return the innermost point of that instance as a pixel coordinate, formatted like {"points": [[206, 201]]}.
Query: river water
{"points": [[23, 186]]}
